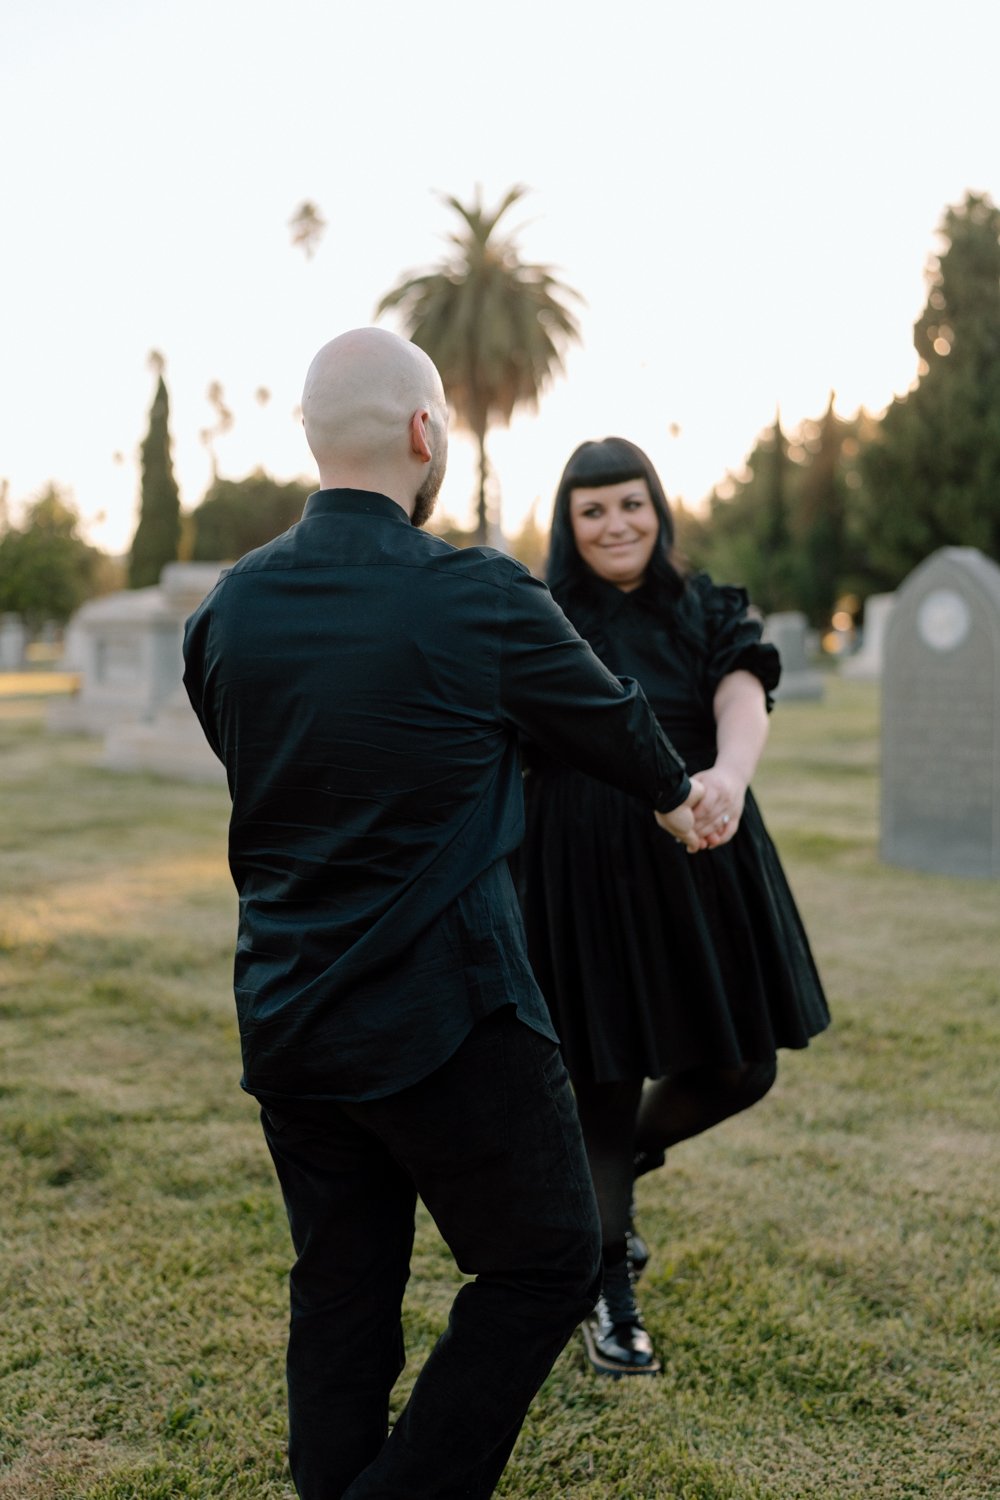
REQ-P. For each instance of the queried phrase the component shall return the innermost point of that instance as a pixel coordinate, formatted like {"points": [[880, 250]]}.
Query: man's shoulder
{"points": [[484, 565], [403, 547]]}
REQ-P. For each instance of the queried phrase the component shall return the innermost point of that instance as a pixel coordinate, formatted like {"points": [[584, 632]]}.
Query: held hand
{"points": [[680, 821], [720, 808]]}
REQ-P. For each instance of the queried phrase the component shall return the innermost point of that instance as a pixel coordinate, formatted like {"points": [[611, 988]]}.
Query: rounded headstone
{"points": [[941, 718]]}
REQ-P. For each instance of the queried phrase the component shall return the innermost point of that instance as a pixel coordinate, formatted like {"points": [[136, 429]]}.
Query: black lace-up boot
{"points": [[617, 1343]]}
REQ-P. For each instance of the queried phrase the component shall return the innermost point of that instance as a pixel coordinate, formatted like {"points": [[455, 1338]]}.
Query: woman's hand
{"points": [[680, 820], [717, 815], [741, 730]]}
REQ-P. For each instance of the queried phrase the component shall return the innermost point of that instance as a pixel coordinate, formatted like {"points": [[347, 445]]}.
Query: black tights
{"points": [[624, 1120]]}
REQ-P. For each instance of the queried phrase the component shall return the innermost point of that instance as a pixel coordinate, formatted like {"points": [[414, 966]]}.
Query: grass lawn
{"points": [[823, 1289]]}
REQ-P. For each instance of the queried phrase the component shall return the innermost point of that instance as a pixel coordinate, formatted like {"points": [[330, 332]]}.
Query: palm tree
{"points": [[495, 327], [307, 225]]}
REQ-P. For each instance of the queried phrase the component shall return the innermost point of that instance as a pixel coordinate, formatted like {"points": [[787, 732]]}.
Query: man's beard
{"points": [[426, 496]]}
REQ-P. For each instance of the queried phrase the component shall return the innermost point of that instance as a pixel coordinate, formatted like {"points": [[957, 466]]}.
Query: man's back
{"points": [[363, 681], [350, 679]]}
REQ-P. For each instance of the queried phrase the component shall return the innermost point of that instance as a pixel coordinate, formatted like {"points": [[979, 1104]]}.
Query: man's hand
{"points": [[679, 821]]}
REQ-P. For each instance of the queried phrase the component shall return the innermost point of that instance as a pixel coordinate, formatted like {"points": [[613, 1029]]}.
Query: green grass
{"points": [[823, 1290]]}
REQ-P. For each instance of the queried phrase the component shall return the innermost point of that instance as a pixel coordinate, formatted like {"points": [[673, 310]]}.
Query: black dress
{"points": [[653, 960]]}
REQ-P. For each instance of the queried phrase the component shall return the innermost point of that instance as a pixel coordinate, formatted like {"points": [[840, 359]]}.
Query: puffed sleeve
{"points": [[734, 637]]}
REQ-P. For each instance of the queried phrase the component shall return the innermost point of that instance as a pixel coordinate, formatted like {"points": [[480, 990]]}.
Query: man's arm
{"points": [[194, 650], [556, 691]]}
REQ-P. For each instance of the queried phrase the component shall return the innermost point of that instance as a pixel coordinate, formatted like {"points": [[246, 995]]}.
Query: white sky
{"points": [[746, 195]]}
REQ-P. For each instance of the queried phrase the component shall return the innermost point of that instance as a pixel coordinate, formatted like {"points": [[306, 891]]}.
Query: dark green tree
{"points": [[495, 326], [932, 475], [747, 536], [238, 515], [820, 558], [783, 527], [157, 536], [778, 547], [47, 570]]}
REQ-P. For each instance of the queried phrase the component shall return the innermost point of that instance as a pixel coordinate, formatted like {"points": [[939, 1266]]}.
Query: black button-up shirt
{"points": [[364, 683]]}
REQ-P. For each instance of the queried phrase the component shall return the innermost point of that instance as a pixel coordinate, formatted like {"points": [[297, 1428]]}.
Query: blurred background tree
{"points": [[223, 423], [46, 569], [496, 327], [238, 515], [157, 536], [307, 225], [849, 507], [932, 474], [781, 525]]}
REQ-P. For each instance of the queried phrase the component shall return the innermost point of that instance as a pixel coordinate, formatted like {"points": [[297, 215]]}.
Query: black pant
{"points": [[492, 1144]]}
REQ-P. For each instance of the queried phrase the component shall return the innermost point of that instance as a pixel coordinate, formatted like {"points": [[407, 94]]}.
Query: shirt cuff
{"points": [[668, 800]]}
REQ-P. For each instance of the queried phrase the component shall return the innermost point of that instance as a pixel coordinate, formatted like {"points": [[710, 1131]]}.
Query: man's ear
{"points": [[418, 435]]}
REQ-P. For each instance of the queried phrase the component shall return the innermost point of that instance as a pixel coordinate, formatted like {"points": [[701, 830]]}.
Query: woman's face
{"points": [[615, 527]]}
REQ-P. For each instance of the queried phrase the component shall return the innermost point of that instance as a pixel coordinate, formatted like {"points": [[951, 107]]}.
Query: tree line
{"points": [[834, 507]]}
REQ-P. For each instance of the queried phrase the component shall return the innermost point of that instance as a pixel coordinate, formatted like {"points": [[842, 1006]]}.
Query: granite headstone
{"points": [[13, 641], [940, 808], [866, 663], [788, 630], [127, 647]]}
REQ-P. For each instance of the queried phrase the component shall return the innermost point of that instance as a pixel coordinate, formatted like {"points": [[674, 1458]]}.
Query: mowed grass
{"points": [[823, 1289]]}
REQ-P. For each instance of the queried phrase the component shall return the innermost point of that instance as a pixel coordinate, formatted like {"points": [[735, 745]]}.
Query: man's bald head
{"points": [[375, 414]]}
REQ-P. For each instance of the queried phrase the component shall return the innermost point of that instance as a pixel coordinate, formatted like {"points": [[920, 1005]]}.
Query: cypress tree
{"points": [[157, 536], [821, 516]]}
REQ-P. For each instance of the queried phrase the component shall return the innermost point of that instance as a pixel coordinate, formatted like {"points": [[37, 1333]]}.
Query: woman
{"points": [[689, 971]]}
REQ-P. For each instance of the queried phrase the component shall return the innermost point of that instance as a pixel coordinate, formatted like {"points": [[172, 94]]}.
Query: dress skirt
{"points": [[653, 960]]}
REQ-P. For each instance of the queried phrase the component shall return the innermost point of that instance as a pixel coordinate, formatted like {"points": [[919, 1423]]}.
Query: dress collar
{"points": [[612, 600]]}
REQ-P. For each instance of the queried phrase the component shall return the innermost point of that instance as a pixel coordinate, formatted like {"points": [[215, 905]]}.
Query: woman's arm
{"points": [[741, 734]]}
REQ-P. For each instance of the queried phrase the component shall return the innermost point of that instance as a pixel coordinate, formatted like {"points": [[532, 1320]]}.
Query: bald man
{"points": [[365, 684]]}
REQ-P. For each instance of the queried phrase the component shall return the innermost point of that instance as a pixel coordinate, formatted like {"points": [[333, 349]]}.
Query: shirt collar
{"points": [[353, 503]]}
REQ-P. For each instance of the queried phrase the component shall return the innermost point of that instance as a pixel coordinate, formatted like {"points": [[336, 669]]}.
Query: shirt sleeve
{"points": [[195, 651], [734, 637], [555, 691]]}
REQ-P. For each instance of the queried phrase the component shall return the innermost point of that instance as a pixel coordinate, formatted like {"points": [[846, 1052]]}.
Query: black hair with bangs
{"points": [[613, 460]]}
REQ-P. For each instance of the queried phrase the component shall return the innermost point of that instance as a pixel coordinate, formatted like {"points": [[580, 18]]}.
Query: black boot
{"points": [[617, 1343]]}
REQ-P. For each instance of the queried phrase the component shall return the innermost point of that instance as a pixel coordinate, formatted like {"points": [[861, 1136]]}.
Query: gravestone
{"points": [[124, 647], [941, 718], [788, 631], [127, 648], [13, 640], [169, 741], [866, 663]]}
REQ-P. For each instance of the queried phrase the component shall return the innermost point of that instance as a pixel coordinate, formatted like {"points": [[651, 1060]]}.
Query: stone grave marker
{"points": [[787, 630], [13, 640], [866, 663], [940, 804], [127, 648]]}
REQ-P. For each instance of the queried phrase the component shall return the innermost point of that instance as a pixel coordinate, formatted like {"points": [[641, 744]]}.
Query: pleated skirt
{"points": [[653, 960]]}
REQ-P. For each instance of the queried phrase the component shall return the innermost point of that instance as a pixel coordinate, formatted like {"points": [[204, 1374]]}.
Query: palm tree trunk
{"points": [[482, 518]]}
